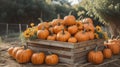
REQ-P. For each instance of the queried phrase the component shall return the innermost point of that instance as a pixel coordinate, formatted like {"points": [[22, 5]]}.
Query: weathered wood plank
{"points": [[65, 60], [68, 53], [53, 43]]}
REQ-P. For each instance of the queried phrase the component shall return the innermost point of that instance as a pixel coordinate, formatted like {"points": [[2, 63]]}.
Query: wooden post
{"points": [[6, 30], [26, 26], [20, 28]]}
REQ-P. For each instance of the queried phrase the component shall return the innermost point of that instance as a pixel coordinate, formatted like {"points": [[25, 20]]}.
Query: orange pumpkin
{"points": [[52, 59], [56, 21], [63, 35], [45, 24], [91, 35], [95, 56], [89, 27], [15, 51], [69, 20], [10, 51], [107, 52], [72, 40], [79, 25], [51, 36], [43, 33], [72, 29], [24, 55], [58, 28], [38, 58], [81, 36], [89, 20]]}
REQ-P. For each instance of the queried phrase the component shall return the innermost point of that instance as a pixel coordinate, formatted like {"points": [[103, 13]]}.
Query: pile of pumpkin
{"points": [[66, 30], [112, 47], [25, 55]]}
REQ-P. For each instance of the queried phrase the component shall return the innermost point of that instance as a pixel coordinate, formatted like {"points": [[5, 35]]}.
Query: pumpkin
{"points": [[72, 29], [107, 52], [72, 40], [63, 35], [52, 59], [56, 21], [82, 36], [38, 58], [89, 20], [88, 26], [24, 55], [15, 51], [114, 48], [91, 35], [58, 28], [79, 25], [43, 33], [51, 28], [95, 56], [10, 51], [69, 20], [45, 24], [51, 36]]}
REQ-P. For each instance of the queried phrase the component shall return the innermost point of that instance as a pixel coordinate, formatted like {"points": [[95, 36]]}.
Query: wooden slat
{"points": [[53, 43], [68, 53], [65, 60]]}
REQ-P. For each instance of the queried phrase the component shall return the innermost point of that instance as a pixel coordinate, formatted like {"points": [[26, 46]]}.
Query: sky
{"points": [[74, 1]]}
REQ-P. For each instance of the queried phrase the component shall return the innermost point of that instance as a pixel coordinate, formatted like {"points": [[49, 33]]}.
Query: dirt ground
{"points": [[7, 61]]}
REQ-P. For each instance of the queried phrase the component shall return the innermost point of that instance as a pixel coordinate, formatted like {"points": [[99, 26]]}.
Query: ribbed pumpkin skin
{"points": [[91, 35], [81, 36], [58, 28], [43, 34], [15, 51], [10, 50], [63, 37], [52, 37], [95, 57], [69, 20], [56, 21], [52, 59], [72, 40], [79, 25], [24, 56], [40, 25], [73, 29], [38, 58], [107, 53], [114, 48], [89, 27]]}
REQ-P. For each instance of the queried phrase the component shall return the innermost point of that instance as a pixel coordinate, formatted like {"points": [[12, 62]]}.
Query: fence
{"points": [[11, 29]]}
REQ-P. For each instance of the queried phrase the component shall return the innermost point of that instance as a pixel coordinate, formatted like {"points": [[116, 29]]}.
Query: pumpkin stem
{"points": [[117, 37], [25, 46], [40, 19], [51, 32], [79, 18], [70, 12], [58, 16], [63, 32], [43, 27], [96, 48], [112, 37], [58, 23]]}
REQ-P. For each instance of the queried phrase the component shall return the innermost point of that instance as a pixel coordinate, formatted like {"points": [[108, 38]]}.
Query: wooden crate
{"points": [[71, 53]]}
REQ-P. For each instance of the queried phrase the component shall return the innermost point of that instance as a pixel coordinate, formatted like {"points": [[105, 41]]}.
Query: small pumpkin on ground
{"points": [[38, 58], [10, 50], [24, 55], [95, 56], [15, 51], [52, 59], [107, 52], [43, 33], [63, 35]]}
